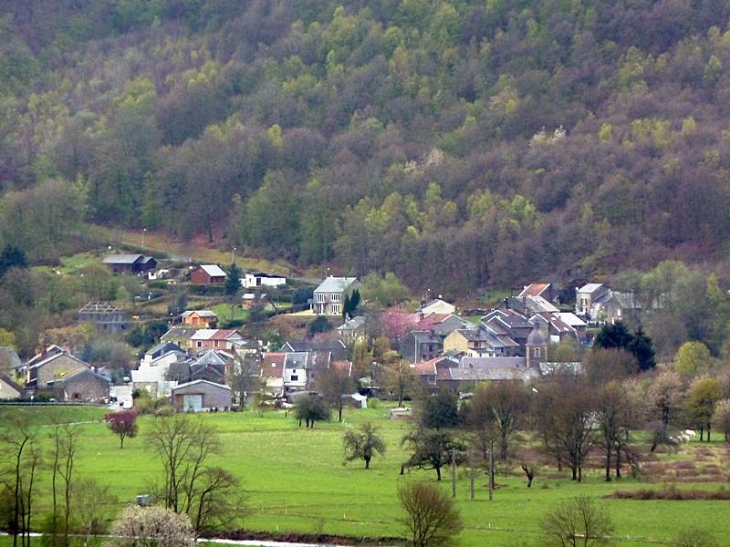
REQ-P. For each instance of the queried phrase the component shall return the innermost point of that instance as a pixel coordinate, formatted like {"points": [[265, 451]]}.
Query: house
{"points": [[588, 299], [130, 263], [225, 339], [556, 329], [543, 290], [427, 371], [207, 274], [201, 395], [84, 386], [352, 330], [329, 296], [153, 372], [336, 348], [251, 300], [258, 279], [199, 318], [420, 345], [8, 388], [441, 324], [436, 306], [211, 365], [303, 368], [272, 373], [53, 364], [105, 316], [510, 323], [472, 371], [597, 303], [473, 342], [622, 306], [181, 336], [10, 363]]}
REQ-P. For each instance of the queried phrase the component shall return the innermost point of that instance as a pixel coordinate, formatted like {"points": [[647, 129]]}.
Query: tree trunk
{"points": [[608, 463], [438, 473], [367, 464]]}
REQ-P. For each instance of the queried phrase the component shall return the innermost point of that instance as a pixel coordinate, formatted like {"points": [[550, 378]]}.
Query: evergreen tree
{"points": [[12, 257]]}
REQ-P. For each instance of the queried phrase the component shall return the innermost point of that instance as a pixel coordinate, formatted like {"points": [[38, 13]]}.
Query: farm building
{"points": [[200, 396]]}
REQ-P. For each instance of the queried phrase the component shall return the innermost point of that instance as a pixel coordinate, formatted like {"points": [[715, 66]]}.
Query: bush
{"points": [[432, 517]]}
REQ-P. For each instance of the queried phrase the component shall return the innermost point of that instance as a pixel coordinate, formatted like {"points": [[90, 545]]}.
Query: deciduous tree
{"points": [[123, 424], [578, 522], [432, 518], [363, 443]]}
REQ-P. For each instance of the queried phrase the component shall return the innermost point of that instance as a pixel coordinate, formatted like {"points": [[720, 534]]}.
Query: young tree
{"points": [[363, 444], [578, 522], [123, 424], [152, 527], [64, 438], [693, 358], [432, 518], [92, 508], [439, 411]]}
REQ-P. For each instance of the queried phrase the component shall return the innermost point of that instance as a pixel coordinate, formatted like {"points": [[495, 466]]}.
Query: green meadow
{"points": [[295, 481]]}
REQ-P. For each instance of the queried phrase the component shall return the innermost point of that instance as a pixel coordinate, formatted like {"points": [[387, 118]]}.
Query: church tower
{"points": [[536, 348]]}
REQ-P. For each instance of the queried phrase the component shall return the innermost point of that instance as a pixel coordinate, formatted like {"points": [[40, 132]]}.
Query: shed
{"points": [[201, 396], [208, 274]]}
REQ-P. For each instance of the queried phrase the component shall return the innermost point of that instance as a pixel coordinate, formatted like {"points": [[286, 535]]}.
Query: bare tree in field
{"points": [[500, 407], [333, 384], [208, 495], [20, 457], [579, 522], [432, 519], [564, 419], [64, 438], [362, 444]]}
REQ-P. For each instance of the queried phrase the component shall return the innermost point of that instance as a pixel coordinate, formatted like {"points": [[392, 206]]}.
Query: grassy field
{"points": [[295, 480]]}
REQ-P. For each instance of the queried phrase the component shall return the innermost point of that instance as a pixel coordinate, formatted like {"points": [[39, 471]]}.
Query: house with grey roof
{"points": [[130, 263], [329, 297], [105, 316]]}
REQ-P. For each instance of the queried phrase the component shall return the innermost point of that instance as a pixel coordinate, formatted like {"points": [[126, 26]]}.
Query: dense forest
{"points": [[459, 144]]}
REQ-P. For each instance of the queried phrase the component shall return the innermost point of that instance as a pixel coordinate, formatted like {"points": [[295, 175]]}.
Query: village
{"points": [[195, 366]]}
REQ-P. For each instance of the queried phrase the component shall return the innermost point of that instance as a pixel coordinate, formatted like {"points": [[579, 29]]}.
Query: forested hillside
{"points": [[458, 144]]}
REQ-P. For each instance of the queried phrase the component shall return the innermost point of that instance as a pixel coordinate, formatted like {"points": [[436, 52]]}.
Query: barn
{"points": [[201, 396]]}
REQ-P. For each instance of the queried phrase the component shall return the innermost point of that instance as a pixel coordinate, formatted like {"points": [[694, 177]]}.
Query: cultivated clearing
{"points": [[295, 480]]}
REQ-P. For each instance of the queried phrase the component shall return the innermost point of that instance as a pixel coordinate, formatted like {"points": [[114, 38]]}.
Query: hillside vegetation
{"points": [[458, 144]]}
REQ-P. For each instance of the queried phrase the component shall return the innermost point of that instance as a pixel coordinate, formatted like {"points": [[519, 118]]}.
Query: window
{"points": [[335, 308], [320, 297], [335, 297], [536, 352], [294, 378]]}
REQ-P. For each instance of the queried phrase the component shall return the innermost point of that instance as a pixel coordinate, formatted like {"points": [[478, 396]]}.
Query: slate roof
{"points": [[122, 258], [335, 284]]}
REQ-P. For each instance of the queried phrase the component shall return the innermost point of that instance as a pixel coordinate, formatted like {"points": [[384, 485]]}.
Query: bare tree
{"points": [[184, 443], [400, 379], [333, 384], [500, 406], [152, 527], [18, 448], [92, 508], [432, 518], [245, 377], [721, 418], [564, 419], [363, 444], [578, 522], [64, 438]]}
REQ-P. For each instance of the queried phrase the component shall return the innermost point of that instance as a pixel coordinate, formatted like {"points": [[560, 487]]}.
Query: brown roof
{"points": [[534, 289], [272, 365]]}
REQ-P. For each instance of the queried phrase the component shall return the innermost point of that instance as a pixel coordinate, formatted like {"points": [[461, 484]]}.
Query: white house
{"points": [[330, 295], [258, 279]]}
